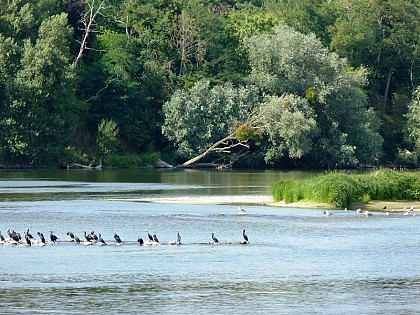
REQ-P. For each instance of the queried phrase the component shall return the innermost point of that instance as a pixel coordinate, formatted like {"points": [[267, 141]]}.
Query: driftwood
{"points": [[200, 165], [91, 166], [162, 164]]}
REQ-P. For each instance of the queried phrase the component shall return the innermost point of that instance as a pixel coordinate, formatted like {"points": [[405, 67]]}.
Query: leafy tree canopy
{"points": [[291, 62]]}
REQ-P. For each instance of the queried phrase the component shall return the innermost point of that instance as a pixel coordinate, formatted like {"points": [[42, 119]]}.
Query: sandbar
{"points": [[267, 200]]}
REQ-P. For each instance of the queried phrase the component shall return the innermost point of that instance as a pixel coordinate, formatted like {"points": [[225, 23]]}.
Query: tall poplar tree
{"points": [[40, 96]]}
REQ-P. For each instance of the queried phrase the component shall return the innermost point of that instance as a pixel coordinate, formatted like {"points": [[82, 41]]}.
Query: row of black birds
{"points": [[15, 238]]}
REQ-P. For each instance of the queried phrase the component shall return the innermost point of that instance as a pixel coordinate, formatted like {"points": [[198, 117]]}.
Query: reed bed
{"points": [[341, 189]]}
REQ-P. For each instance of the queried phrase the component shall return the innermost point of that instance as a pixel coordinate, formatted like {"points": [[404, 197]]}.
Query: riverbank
{"points": [[267, 200]]}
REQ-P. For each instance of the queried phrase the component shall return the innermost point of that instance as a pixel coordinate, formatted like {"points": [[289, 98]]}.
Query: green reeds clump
{"points": [[341, 189]]}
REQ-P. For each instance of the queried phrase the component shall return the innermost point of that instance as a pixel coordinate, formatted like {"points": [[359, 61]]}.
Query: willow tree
{"points": [[289, 123], [204, 119], [287, 61]]}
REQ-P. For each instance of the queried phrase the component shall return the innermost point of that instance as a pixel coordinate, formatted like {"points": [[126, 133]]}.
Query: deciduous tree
{"points": [[39, 106], [291, 62], [413, 119]]}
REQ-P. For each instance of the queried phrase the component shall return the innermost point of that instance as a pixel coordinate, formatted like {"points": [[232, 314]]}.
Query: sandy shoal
{"points": [[267, 200], [236, 199]]}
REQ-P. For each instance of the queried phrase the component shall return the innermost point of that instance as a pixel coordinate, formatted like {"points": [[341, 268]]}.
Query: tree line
{"points": [[246, 83]]}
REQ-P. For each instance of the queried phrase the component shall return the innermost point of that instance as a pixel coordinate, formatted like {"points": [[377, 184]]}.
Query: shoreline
{"points": [[267, 200]]}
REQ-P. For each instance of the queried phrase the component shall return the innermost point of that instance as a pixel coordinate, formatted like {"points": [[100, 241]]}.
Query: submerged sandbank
{"points": [[201, 200], [267, 200]]}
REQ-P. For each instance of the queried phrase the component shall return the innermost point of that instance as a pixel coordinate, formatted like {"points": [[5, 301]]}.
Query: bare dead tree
{"points": [[88, 24], [186, 40]]}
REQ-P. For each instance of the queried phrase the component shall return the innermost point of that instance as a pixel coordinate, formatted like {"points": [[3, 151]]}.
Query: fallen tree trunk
{"points": [[162, 164], [200, 165], [76, 165], [224, 145], [91, 166]]}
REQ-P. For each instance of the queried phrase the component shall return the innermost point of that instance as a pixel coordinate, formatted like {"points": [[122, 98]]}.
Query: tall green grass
{"points": [[341, 189]]}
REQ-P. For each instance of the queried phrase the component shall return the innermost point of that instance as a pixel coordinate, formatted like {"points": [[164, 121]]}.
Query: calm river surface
{"points": [[297, 262]]}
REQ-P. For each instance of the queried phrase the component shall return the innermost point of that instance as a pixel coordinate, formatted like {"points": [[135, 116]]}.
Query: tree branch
{"points": [[88, 21]]}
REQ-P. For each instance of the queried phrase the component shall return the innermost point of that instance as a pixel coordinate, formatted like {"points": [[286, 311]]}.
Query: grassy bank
{"points": [[343, 189]]}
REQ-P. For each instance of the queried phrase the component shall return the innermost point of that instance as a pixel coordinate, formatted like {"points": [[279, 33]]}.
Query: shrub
{"points": [[107, 137], [72, 155]]}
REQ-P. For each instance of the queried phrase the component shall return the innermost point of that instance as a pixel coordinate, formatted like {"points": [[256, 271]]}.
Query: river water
{"points": [[298, 261]]}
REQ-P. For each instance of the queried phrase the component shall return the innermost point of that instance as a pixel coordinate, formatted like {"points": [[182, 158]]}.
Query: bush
{"points": [[72, 155], [107, 137], [407, 158]]}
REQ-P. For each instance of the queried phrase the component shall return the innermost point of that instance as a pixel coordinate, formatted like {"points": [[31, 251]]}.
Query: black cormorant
{"points": [[245, 236], [215, 240], [71, 235], [41, 237], [53, 237], [101, 239], [117, 238], [94, 236], [88, 237], [28, 240], [28, 234]]}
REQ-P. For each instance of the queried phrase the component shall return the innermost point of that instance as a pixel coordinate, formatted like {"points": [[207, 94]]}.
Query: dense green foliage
{"points": [[341, 189], [196, 118], [107, 137], [320, 83], [414, 118], [291, 62]]}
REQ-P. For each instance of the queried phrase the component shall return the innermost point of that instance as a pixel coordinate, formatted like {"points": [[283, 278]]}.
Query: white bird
{"points": [[367, 213], [241, 211], [327, 213]]}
